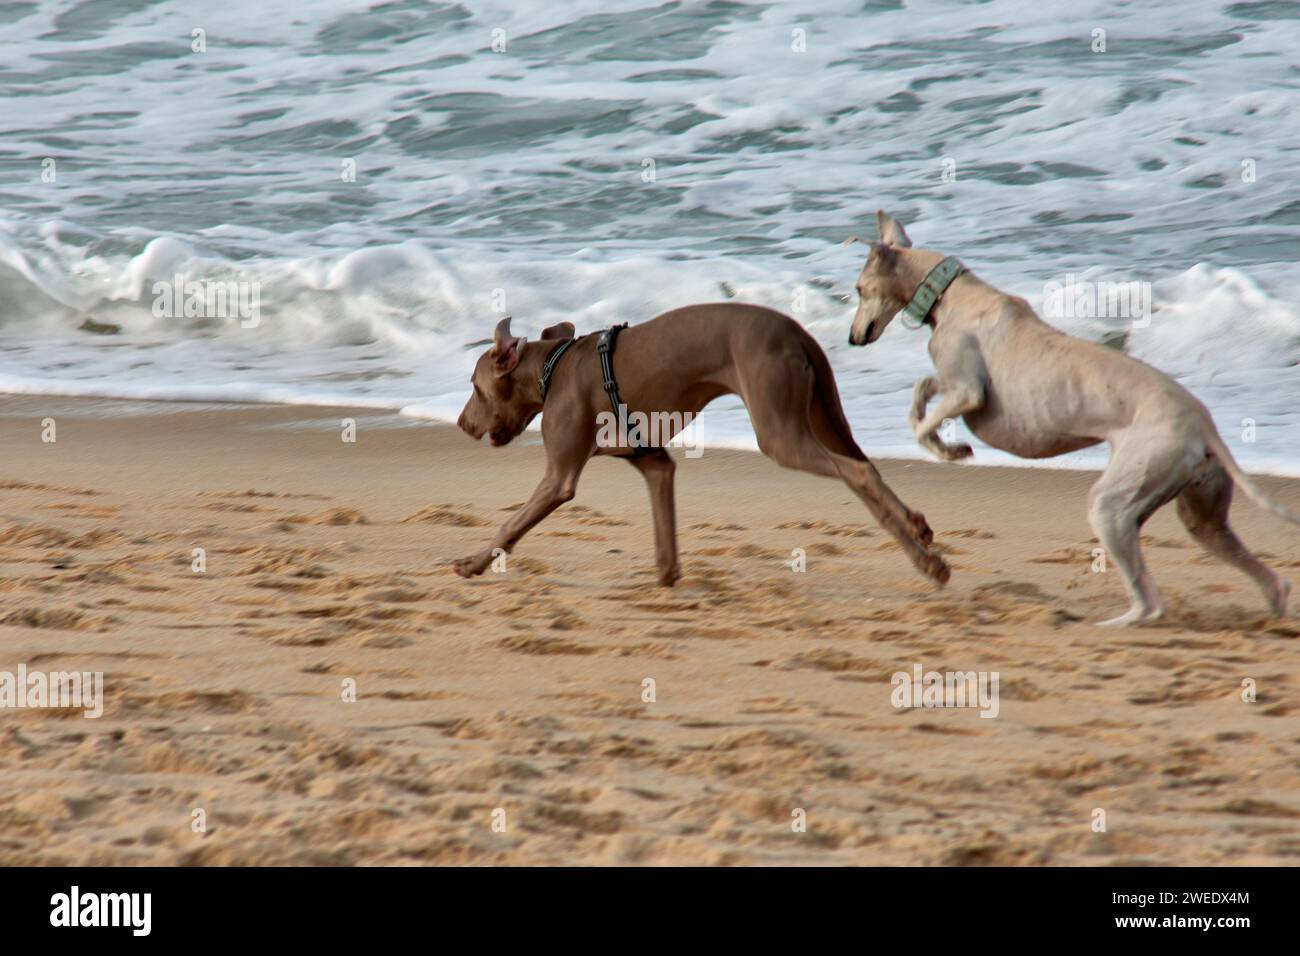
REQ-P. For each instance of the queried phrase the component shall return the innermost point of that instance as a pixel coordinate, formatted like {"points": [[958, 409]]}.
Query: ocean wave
{"points": [[399, 328]]}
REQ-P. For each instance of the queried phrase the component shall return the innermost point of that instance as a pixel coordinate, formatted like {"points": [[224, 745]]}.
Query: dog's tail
{"points": [[1219, 450]]}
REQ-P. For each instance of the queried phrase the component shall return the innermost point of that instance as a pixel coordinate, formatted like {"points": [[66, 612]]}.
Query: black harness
{"points": [[549, 368], [605, 349]]}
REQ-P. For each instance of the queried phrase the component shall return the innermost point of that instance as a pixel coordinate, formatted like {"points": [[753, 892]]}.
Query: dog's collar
{"points": [[549, 368], [928, 292]]}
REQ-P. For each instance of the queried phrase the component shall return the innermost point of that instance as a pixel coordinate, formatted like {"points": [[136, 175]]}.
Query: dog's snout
{"points": [[864, 338], [463, 424]]}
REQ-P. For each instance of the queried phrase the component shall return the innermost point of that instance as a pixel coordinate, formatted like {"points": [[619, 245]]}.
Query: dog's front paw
{"points": [[472, 566], [956, 452]]}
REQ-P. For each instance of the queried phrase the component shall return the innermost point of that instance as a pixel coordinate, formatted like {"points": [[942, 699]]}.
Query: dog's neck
{"points": [[913, 266], [528, 372]]}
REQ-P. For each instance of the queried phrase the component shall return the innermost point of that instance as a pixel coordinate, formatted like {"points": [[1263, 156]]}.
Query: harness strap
{"points": [[928, 292], [605, 349], [549, 368]]}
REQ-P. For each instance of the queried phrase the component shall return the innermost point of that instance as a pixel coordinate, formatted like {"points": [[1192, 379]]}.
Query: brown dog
{"points": [[671, 367]]}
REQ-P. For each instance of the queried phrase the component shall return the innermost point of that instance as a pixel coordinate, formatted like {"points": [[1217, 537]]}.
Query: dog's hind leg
{"points": [[1203, 507], [658, 468], [1146, 470], [781, 415], [832, 430]]}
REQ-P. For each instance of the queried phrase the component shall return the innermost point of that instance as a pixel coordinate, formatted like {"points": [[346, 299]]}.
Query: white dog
{"points": [[1031, 390]]}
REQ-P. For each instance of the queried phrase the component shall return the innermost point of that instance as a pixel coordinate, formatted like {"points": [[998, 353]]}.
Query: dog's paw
{"points": [[935, 568], [957, 452], [472, 566], [924, 533], [1136, 615], [670, 577]]}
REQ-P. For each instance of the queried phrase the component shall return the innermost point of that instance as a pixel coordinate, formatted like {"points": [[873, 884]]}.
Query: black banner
{"points": [[1150, 906]]}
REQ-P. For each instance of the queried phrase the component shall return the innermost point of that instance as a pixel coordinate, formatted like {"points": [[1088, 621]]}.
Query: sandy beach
{"points": [[518, 699]]}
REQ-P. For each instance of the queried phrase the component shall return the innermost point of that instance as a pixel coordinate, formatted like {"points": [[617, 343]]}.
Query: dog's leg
{"points": [[909, 528], [781, 415], [1203, 507], [831, 429], [1146, 470], [922, 392], [658, 468], [963, 381], [557, 486], [958, 399], [1117, 531]]}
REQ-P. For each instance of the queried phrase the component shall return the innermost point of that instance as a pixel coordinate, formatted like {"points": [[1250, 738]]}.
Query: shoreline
{"points": [[314, 414]]}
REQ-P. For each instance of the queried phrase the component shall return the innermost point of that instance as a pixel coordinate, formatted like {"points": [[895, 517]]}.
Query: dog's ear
{"points": [[882, 258], [506, 348], [891, 230], [560, 330]]}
